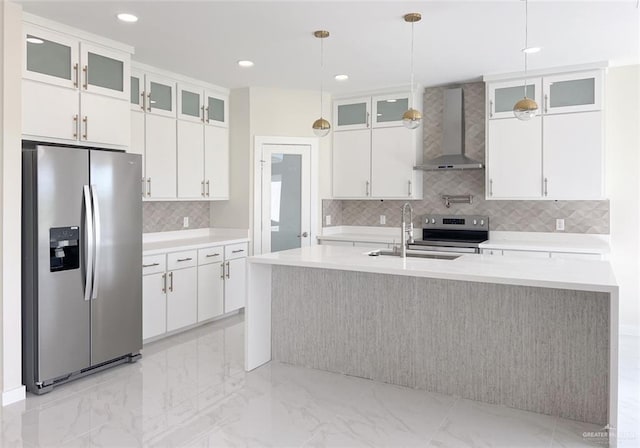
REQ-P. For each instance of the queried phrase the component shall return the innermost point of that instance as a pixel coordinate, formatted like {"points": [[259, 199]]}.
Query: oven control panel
{"points": [[456, 222]]}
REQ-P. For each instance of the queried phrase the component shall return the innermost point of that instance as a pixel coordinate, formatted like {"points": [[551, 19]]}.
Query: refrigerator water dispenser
{"points": [[64, 248]]}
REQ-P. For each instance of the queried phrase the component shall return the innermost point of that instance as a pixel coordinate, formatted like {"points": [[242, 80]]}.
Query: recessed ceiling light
{"points": [[126, 17], [341, 77], [391, 100], [34, 40], [245, 63], [530, 50]]}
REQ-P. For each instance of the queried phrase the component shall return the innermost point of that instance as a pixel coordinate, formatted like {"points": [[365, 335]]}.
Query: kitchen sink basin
{"points": [[413, 254]]}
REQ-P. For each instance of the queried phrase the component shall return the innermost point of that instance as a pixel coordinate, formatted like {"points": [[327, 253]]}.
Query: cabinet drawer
{"points": [[525, 253], [233, 251], [153, 264], [179, 260], [210, 255], [576, 256], [491, 252]]}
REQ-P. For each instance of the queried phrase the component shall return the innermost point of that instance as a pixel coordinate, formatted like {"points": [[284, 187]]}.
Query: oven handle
{"points": [[462, 250]]}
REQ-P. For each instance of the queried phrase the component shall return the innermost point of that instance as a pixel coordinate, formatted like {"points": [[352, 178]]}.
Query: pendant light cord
{"points": [[526, 43], [321, 73], [412, 24]]}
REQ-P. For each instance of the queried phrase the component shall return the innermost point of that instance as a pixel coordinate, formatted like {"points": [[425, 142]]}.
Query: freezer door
{"points": [[63, 332], [116, 305]]}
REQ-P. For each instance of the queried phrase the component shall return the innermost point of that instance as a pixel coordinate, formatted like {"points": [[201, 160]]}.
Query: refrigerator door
{"points": [[116, 305], [63, 334]]}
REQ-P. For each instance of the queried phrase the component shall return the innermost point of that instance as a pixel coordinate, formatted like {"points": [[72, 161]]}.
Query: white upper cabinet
{"points": [[51, 57], [136, 89], [572, 92], [393, 156], [104, 121], [216, 109], [105, 71], [160, 95], [190, 104], [50, 111], [191, 184], [352, 164], [352, 114], [160, 157], [504, 95], [216, 162], [388, 110]]}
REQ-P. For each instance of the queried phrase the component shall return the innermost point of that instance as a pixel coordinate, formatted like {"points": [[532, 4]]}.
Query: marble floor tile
{"points": [[191, 390]]}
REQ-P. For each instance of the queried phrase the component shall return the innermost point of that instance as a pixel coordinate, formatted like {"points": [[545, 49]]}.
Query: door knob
{"points": [[304, 235]]}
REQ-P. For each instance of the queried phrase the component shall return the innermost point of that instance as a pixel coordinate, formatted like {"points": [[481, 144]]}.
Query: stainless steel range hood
{"points": [[452, 157]]}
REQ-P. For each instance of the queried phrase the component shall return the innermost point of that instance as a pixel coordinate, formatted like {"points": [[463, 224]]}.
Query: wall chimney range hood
{"points": [[452, 157]]}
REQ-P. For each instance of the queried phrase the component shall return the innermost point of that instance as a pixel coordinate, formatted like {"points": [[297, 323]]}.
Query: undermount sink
{"points": [[376, 253]]}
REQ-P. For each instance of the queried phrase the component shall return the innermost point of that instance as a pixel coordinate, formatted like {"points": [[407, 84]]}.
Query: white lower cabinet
{"points": [[154, 305], [235, 284], [543, 254], [182, 298], [525, 254], [210, 291]]}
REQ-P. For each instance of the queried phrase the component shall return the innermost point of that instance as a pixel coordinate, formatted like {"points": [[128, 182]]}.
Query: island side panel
{"points": [[537, 349], [257, 318]]}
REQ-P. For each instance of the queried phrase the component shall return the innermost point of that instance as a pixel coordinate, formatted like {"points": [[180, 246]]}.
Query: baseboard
{"points": [[629, 330], [14, 395]]}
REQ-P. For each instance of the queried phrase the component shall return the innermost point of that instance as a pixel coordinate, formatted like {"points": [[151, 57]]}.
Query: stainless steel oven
{"points": [[452, 233]]}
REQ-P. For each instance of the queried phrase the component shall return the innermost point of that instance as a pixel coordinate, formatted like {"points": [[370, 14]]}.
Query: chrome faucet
{"points": [[406, 237]]}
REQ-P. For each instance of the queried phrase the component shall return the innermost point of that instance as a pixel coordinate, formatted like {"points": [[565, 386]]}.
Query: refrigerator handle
{"points": [[97, 233], [88, 222]]}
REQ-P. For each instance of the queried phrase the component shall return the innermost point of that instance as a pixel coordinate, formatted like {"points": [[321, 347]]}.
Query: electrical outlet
{"points": [[383, 219], [327, 220], [559, 224], [185, 222]]}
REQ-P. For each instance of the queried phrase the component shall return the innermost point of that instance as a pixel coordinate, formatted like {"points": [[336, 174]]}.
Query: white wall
{"points": [[10, 150], [259, 111], [623, 187]]}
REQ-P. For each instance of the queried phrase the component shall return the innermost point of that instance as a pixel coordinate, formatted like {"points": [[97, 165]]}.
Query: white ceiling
{"points": [[455, 41]]}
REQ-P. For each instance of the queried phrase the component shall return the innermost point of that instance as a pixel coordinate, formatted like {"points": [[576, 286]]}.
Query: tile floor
{"points": [[191, 390]]}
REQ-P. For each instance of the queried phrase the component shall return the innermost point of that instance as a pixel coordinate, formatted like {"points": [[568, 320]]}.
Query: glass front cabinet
{"points": [[572, 92], [504, 95], [388, 109], [352, 114]]}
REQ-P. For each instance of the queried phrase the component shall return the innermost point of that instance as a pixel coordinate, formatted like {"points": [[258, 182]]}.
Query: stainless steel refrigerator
{"points": [[81, 262]]}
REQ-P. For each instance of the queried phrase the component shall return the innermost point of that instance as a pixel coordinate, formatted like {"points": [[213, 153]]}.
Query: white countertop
{"points": [[162, 242], [587, 275], [361, 234]]}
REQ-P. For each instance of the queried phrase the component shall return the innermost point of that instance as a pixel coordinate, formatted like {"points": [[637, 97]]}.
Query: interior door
{"points": [[116, 305], [63, 313], [286, 197]]}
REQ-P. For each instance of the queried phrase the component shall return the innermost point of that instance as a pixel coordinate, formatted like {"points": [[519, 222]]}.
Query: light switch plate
{"points": [[383, 219], [185, 222], [559, 224], [327, 220]]}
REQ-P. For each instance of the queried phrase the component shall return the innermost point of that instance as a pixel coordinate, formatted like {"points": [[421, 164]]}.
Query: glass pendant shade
{"points": [[525, 109], [321, 127], [411, 119]]}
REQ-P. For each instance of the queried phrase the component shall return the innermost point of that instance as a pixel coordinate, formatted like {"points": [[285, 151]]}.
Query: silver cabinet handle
{"points": [[148, 187], [202, 188], [85, 120], [85, 70], [546, 185], [490, 108], [410, 192], [222, 271], [228, 269], [170, 281], [546, 103], [208, 118], [143, 103], [368, 118], [149, 101], [212, 255], [164, 282], [180, 260], [75, 126], [303, 235], [150, 265], [144, 187], [88, 222], [237, 251], [75, 71], [367, 188], [98, 234], [208, 185], [202, 109], [490, 187]]}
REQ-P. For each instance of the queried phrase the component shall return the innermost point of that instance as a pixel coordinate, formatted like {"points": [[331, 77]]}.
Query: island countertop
{"points": [[586, 275]]}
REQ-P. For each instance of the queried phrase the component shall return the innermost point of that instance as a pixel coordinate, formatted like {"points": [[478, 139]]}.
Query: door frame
{"points": [[259, 143]]}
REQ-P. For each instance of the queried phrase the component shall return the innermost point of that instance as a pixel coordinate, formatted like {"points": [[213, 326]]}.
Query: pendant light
{"points": [[412, 118], [321, 127], [526, 108]]}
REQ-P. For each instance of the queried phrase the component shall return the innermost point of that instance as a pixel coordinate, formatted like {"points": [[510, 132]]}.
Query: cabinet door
{"points": [[573, 154], [50, 111], [235, 284], [352, 164], [190, 157], [182, 298], [574, 92], [504, 95], [154, 305], [137, 143], [190, 104], [514, 159], [105, 71], [525, 254], [160, 156], [388, 109], [50, 57], [160, 95], [216, 109], [351, 114], [216, 162], [105, 120], [210, 291], [393, 156], [136, 89]]}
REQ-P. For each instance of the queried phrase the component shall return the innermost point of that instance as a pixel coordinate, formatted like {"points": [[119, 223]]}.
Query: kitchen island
{"points": [[533, 334]]}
